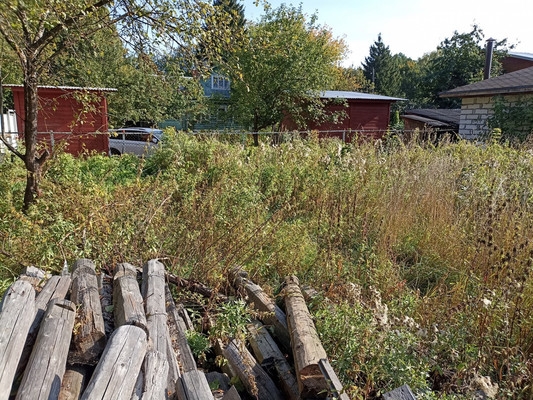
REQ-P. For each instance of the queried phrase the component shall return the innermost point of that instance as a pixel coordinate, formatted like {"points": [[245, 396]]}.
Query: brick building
{"points": [[478, 99]]}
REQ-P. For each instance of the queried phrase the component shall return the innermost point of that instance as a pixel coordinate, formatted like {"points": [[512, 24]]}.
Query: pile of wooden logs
{"points": [[88, 335]]}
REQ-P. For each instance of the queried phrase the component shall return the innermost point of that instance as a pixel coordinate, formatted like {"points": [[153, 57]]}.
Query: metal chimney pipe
{"points": [[488, 58]]}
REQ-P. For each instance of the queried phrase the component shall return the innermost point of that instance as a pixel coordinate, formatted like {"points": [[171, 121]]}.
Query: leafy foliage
{"points": [[285, 63], [39, 32], [514, 119], [459, 61]]}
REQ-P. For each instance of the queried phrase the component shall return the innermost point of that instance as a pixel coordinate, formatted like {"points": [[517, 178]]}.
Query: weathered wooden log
{"points": [[193, 385], [271, 314], [155, 376], [74, 381], [271, 358], [153, 289], [105, 288], [34, 275], [56, 287], [402, 393], [231, 394], [218, 381], [335, 386], [128, 305], [253, 377], [18, 310], [182, 348], [139, 387], [116, 374], [42, 377], [89, 339], [306, 346], [195, 287]]}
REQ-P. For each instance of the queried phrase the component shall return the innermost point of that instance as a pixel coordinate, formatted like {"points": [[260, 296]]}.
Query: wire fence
{"points": [[145, 140]]}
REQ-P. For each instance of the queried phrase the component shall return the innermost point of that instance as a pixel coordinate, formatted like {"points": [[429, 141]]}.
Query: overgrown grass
{"points": [[422, 255]]}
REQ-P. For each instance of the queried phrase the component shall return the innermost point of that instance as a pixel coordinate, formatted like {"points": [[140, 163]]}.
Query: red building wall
{"points": [[367, 118], [511, 64], [63, 120]]}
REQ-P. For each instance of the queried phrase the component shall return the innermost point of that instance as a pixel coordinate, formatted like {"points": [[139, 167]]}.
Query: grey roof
{"points": [[435, 117], [516, 82], [72, 88], [522, 56], [336, 94]]}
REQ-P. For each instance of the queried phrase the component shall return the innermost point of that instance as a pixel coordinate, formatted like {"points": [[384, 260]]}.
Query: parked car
{"points": [[138, 141]]}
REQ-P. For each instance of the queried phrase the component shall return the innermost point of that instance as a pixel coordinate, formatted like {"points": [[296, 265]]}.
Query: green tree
{"points": [[382, 69], [285, 63], [458, 61], [39, 32], [352, 79]]}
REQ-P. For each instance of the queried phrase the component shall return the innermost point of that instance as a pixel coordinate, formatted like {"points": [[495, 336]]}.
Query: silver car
{"points": [[138, 141]]}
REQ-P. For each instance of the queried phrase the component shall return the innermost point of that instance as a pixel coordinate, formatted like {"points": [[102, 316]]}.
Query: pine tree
{"points": [[381, 68]]}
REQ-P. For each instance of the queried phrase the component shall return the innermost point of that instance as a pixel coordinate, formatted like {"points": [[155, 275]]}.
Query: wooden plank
{"points": [[153, 289], [194, 386], [182, 348], [116, 374], [74, 381], [18, 310], [267, 352], [253, 377], [271, 314], [307, 349], [128, 303], [335, 386], [89, 339], [42, 377], [401, 393]]}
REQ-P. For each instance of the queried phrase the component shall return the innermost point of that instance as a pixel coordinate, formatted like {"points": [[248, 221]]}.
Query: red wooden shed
{"points": [[75, 116], [365, 114]]}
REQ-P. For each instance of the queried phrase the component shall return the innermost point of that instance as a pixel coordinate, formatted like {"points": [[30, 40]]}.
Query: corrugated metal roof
{"points": [[66, 88], [337, 94], [516, 82]]}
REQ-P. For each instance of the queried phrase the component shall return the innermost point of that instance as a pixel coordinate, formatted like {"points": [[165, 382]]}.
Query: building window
{"points": [[219, 82]]}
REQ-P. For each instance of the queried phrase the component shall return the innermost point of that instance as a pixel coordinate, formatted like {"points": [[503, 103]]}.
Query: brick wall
{"points": [[475, 112]]}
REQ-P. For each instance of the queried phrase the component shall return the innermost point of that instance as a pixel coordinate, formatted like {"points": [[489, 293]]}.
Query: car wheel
{"points": [[114, 152]]}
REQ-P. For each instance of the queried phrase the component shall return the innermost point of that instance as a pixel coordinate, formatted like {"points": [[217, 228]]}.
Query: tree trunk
{"points": [[256, 129], [32, 161]]}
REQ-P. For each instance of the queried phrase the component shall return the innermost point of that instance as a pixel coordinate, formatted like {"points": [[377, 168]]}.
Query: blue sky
{"points": [[414, 27]]}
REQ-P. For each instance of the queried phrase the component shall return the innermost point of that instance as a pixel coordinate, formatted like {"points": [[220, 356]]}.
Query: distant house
{"points": [[515, 61], [63, 118], [367, 115], [216, 88], [478, 99], [434, 121]]}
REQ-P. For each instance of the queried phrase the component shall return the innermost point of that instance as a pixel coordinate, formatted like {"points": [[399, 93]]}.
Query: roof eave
{"points": [[477, 93]]}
